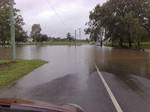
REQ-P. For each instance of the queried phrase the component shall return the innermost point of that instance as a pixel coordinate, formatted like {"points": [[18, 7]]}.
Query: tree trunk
{"points": [[112, 43], [3, 43], [130, 42], [139, 44], [121, 42], [101, 42]]}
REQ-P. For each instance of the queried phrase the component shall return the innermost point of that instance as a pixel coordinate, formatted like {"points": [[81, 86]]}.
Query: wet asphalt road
{"points": [[71, 77], [132, 94]]}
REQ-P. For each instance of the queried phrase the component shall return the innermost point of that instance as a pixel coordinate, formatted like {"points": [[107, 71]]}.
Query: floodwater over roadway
{"points": [[70, 77]]}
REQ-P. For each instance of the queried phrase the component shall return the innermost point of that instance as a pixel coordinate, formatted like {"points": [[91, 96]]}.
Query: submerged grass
{"points": [[12, 71], [4, 62], [146, 45]]}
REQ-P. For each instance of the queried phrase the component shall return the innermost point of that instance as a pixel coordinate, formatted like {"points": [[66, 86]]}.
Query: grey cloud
{"points": [[57, 17]]}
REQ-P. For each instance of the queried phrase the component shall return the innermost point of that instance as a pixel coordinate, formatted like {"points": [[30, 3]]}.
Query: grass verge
{"points": [[12, 71], [144, 45]]}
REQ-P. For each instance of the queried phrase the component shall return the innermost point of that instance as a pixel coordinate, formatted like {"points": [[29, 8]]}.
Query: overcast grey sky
{"points": [[56, 17]]}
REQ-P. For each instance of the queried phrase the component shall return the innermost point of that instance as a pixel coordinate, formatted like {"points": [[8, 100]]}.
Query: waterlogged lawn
{"points": [[4, 62], [12, 71], [146, 45]]}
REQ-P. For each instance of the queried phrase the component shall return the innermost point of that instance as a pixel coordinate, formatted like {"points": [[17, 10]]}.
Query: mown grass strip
{"points": [[12, 71]]}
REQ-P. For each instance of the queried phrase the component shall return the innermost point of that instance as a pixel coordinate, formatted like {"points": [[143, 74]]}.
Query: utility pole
{"points": [[75, 37], [80, 33], [12, 30]]}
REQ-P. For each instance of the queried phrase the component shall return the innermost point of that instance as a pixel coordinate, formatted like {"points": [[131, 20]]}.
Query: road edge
{"points": [[111, 95]]}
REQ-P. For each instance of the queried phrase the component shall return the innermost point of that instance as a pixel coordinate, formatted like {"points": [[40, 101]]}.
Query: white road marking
{"points": [[112, 97]]}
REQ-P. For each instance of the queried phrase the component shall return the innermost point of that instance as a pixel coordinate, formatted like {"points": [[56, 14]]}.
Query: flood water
{"points": [[123, 61], [64, 60], [68, 75]]}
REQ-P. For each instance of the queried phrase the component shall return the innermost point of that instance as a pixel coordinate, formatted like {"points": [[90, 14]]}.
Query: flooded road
{"points": [[70, 77]]}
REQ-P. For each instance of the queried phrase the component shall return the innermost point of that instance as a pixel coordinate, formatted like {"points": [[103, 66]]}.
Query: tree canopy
{"points": [[36, 31], [69, 37], [123, 21], [37, 35], [21, 35]]}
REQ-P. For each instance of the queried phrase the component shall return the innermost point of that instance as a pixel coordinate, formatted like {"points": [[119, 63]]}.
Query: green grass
{"points": [[69, 43], [146, 45], [4, 62], [12, 71], [62, 43]]}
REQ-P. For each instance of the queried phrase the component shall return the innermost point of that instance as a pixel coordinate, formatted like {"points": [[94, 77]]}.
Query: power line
{"points": [[58, 16], [75, 37], [80, 33]]}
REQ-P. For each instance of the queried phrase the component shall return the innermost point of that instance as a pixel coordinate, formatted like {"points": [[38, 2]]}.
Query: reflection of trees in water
{"points": [[5, 53], [123, 61], [130, 81], [147, 65], [30, 52], [123, 64]]}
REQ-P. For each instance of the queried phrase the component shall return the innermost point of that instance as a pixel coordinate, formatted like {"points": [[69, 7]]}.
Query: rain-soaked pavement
{"points": [[71, 77]]}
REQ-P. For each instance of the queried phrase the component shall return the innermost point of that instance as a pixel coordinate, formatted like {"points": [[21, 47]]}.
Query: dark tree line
{"points": [[36, 34], [69, 37], [124, 22], [21, 35]]}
